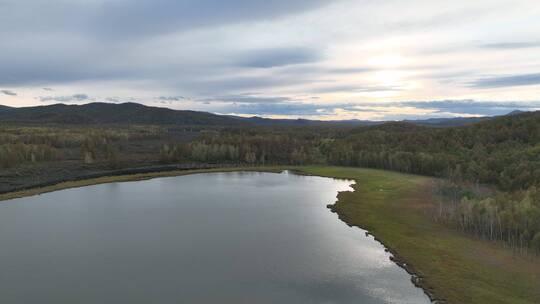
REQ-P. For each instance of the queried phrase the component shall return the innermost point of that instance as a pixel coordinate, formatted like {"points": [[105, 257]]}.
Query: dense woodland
{"points": [[502, 152]]}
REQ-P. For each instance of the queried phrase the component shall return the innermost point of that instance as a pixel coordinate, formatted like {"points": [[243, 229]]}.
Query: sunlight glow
{"points": [[388, 61]]}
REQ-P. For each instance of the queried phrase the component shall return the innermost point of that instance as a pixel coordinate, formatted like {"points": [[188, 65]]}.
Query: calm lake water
{"points": [[205, 238]]}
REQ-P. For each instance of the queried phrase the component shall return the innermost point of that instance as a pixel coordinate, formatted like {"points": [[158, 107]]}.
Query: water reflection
{"points": [[205, 238]]}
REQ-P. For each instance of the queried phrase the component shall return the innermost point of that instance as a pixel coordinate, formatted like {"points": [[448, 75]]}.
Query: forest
{"points": [[502, 154]]}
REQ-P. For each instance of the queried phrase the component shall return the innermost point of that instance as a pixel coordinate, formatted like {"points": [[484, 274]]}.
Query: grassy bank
{"points": [[392, 206], [461, 269]]}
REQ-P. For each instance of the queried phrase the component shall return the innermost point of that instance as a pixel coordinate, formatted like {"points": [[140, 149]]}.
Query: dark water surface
{"points": [[205, 238]]}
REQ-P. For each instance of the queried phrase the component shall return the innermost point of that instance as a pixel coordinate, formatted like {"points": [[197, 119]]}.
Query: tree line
{"points": [[26, 145], [511, 218], [503, 152], [265, 147]]}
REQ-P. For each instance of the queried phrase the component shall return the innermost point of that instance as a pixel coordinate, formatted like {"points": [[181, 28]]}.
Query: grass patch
{"points": [[457, 267]]}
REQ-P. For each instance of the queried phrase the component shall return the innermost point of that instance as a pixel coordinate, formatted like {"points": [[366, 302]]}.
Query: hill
{"points": [[134, 113], [449, 122], [107, 113], [502, 151]]}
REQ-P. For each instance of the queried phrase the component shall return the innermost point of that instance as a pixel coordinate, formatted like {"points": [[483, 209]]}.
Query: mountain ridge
{"points": [[136, 113]]}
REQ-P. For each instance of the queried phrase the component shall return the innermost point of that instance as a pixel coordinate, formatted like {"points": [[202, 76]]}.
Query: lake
{"points": [[242, 237]]}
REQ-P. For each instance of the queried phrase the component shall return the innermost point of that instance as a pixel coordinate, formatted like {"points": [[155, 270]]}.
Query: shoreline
{"points": [[416, 278], [112, 173], [146, 173], [451, 267], [125, 175], [391, 207]]}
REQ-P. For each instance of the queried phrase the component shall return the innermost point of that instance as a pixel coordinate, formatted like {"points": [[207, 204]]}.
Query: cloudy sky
{"points": [[338, 59]]}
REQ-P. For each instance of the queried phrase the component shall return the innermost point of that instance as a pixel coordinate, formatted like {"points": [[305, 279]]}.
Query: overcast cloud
{"points": [[305, 58]]}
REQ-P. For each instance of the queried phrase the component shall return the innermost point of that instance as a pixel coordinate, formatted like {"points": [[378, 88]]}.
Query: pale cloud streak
{"points": [[8, 92]]}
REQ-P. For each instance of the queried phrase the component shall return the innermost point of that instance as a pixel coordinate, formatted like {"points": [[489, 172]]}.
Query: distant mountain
{"points": [[458, 121], [108, 113], [134, 113], [307, 122], [4, 108], [448, 122], [515, 112], [266, 121]]}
